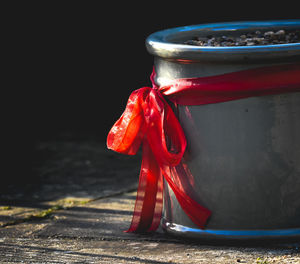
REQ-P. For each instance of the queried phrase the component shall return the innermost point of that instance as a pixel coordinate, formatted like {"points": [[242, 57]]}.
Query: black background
{"points": [[71, 67], [82, 61]]}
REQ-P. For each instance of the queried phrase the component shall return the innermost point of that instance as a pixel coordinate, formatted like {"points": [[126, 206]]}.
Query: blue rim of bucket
{"points": [[262, 233], [163, 44]]}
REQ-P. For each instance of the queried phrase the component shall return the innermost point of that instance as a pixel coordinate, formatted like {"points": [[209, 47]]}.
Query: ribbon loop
{"points": [[126, 134], [162, 125]]}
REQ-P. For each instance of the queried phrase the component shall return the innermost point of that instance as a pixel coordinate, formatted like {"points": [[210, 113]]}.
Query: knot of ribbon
{"points": [[149, 120]]}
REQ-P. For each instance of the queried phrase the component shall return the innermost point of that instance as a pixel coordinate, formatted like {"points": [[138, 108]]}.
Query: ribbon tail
{"points": [[196, 212], [149, 200]]}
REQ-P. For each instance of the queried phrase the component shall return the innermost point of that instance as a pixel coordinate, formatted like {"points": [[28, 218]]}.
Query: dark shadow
{"points": [[67, 164], [89, 224], [6, 218], [100, 211], [292, 244], [44, 250], [28, 204], [131, 197]]}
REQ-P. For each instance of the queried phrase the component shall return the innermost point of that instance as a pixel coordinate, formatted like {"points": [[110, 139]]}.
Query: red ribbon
{"points": [[149, 120]]}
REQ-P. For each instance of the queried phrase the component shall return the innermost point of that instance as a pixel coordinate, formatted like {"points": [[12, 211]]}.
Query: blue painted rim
{"points": [[263, 233], [162, 43]]}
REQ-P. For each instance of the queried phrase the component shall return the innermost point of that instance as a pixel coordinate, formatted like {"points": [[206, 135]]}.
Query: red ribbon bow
{"points": [[149, 120]]}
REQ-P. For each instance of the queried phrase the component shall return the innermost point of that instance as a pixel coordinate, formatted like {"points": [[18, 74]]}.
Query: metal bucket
{"points": [[244, 155]]}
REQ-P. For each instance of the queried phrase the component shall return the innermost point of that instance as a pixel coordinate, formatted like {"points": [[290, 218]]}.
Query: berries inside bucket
{"points": [[256, 38]]}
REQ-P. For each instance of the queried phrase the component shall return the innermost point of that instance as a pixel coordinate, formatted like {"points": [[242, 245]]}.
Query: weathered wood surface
{"points": [[94, 210]]}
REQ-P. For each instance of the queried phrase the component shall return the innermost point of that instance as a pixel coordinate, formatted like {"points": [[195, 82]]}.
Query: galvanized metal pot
{"points": [[244, 155]]}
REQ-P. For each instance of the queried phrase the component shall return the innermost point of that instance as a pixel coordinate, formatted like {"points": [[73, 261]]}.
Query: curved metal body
{"points": [[244, 155]]}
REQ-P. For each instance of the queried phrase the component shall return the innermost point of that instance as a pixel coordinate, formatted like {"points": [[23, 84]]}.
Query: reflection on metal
{"points": [[246, 234], [167, 43]]}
